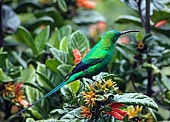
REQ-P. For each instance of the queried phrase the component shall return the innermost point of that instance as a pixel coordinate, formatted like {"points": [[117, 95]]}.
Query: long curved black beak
{"points": [[128, 31]]}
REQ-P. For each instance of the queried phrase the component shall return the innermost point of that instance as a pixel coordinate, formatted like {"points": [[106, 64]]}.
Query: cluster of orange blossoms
{"points": [[88, 4], [91, 96], [85, 112], [77, 55], [14, 91], [135, 111]]}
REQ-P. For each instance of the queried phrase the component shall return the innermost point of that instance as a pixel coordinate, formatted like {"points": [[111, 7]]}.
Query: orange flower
{"points": [[86, 4], [14, 109], [42, 26], [24, 102], [9, 89], [18, 87], [124, 40], [134, 111], [90, 98], [85, 112], [161, 23], [77, 55], [101, 26], [19, 97], [116, 112], [108, 84]]}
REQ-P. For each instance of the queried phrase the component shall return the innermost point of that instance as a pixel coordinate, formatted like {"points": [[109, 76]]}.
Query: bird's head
{"points": [[114, 34]]}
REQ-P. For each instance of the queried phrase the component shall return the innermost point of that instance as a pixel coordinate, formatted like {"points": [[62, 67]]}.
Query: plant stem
{"points": [[147, 22], [140, 13], [1, 28], [148, 29]]}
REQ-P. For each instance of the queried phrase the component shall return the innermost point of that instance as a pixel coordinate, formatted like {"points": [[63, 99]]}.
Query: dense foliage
{"points": [[43, 40]]}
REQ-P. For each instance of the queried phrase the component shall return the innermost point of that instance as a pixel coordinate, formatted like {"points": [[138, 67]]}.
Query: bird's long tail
{"points": [[48, 94]]}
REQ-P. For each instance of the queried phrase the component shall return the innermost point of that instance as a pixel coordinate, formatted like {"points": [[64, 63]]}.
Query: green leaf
{"points": [[37, 110], [60, 111], [60, 55], [154, 53], [46, 78], [52, 64], [19, 59], [64, 44], [135, 99], [40, 21], [30, 120], [51, 12], [124, 19], [123, 52], [100, 98], [160, 15], [23, 6], [139, 36], [88, 16], [62, 5], [109, 76], [66, 92], [3, 57], [28, 75], [3, 77], [74, 86], [54, 39], [41, 39], [64, 31], [64, 69], [159, 5], [153, 114], [166, 70], [12, 70], [165, 81], [10, 19], [24, 36], [70, 116], [42, 77], [152, 67], [79, 41]]}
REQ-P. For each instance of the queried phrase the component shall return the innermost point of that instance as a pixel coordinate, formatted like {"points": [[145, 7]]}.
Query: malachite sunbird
{"points": [[96, 60]]}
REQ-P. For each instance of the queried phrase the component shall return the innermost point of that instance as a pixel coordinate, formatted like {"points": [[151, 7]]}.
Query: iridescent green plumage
{"points": [[92, 64]]}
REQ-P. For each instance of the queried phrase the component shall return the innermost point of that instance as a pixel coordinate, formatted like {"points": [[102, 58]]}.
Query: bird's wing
{"points": [[84, 64]]}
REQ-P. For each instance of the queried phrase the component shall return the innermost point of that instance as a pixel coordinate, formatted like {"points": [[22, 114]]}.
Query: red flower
{"points": [[14, 109], [19, 97], [24, 102], [101, 26], [18, 87], [77, 55], [116, 112], [160, 23], [42, 26], [86, 4], [124, 40]]}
